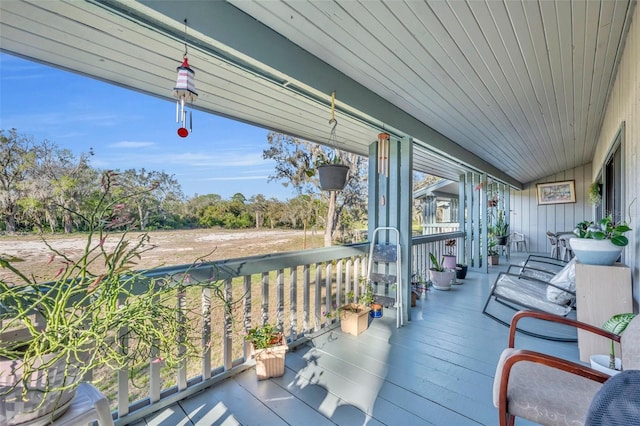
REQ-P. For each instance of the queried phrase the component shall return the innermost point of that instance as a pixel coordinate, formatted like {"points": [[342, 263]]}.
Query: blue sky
{"points": [[127, 129]]}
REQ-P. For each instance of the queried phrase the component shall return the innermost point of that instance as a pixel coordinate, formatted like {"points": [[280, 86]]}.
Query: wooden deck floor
{"points": [[436, 370]]}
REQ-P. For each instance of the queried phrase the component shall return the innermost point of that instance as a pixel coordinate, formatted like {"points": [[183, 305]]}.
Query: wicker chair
{"points": [[550, 390]]}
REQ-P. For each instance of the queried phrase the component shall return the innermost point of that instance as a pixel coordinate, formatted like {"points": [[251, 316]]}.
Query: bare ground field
{"points": [[174, 247]]}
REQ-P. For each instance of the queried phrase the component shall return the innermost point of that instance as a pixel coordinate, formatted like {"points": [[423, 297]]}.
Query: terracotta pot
{"points": [[376, 310]]}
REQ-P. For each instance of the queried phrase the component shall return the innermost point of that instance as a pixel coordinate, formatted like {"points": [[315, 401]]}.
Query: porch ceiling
{"points": [[516, 89]]}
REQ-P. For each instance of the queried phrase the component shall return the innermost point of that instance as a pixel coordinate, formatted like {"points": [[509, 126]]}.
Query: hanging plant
{"points": [[331, 172], [595, 197]]}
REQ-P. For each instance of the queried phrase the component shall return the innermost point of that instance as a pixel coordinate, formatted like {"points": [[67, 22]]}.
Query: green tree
{"points": [[150, 205], [19, 156]]}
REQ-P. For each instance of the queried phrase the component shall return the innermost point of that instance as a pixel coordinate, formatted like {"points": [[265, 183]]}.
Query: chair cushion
{"points": [[565, 279], [527, 293], [545, 395]]}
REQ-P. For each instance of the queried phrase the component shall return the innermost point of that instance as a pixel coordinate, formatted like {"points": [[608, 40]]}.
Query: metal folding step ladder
{"points": [[383, 271]]}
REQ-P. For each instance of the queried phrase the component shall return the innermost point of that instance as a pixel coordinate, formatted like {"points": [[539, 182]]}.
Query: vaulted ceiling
{"points": [[516, 89]]}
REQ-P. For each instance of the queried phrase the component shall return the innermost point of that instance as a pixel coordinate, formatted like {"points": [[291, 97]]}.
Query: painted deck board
{"points": [[436, 370]]}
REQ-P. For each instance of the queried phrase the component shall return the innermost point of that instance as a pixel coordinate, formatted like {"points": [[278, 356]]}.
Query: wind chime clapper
{"points": [[383, 153], [185, 91]]}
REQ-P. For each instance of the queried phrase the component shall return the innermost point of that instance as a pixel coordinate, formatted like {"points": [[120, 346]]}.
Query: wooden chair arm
{"points": [[557, 319], [548, 360]]}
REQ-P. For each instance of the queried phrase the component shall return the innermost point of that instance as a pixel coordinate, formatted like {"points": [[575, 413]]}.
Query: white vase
{"points": [[595, 252], [601, 363]]}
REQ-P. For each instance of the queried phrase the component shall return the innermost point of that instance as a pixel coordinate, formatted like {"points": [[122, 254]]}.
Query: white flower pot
{"points": [[595, 252], [601, 363], [442, 280]]}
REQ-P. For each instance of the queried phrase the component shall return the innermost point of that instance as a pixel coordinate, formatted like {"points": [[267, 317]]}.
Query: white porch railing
{"points": [[294, 290]]}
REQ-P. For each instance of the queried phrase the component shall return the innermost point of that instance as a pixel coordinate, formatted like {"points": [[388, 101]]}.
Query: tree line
{"points": [[44, 187]]}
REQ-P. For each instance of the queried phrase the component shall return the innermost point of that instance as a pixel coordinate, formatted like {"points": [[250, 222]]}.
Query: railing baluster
{"points": [[293, 300], [327, 291], [228, 325], [206, 333], [280, 299], [123, 374], [246, 308], [317, 297], [265, 298], [305, 297], [347, 282], [182, 317]]}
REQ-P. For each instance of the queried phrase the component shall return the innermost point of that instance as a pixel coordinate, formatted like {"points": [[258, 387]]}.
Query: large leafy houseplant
{"points": [[97, 311], [616, 324]]}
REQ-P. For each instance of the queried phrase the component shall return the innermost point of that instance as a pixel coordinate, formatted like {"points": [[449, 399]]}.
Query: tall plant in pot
{"points": [[600, 243], [74, 323], [441, 277]]}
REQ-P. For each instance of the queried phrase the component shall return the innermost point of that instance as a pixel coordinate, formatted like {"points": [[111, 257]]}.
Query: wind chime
{"points": [[383, 154], [185, 90]]}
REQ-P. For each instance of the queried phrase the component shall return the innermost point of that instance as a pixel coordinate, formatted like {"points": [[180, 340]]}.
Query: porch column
{"points": [[390, 203]]}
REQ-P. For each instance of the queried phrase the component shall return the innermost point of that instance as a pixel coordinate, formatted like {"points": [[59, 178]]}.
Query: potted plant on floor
{"points": [[52, 333], [354, 316], [450, 255], [609, 363], [492, 252], [268, 348], [440, 276], [599, 243]]}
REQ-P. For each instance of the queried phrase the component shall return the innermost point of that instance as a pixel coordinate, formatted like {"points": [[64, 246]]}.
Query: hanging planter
{"points": [[331, 172], [333, 177]]}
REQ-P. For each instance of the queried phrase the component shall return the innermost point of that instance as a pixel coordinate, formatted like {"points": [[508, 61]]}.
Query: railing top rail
{"points": [[423, 239]]}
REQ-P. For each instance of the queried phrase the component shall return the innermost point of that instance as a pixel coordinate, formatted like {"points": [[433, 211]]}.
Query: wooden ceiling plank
{"points": [[521, 28], [538, 32]]}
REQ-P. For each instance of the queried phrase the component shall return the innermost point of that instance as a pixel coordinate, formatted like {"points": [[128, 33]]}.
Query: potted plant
{"points": [[332, 173], [450, 256], [461, 270], [599, 243], [492, 252], [53, 333], [609, 363], [595, 197], [501, 229], [440, 276], [354, 316], [268, 348]]}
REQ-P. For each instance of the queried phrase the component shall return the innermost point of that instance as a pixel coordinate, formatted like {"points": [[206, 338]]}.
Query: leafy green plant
{"points": [[604, 229], [501, 227], [491, 247], [595, 198], [616, 324], [435, 265], [97, 303], [264, 336]]}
